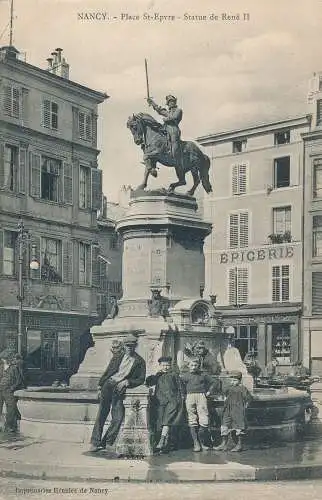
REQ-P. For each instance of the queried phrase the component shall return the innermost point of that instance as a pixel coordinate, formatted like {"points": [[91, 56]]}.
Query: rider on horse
{"points": [[171, 118]]}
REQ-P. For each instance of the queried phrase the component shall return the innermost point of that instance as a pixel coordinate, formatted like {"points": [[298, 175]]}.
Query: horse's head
{"points": [[135, 124]]}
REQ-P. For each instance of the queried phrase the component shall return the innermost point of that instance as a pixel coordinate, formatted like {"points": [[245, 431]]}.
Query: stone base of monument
{"points": [[60, 414]]}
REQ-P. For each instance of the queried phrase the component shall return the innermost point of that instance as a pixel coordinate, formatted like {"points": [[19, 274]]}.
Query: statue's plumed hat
{"points": [[170, 97]]}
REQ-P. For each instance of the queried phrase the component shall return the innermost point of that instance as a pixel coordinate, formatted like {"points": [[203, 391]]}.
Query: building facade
{"points": [[254, 255], [49, 178], [312, 286]]}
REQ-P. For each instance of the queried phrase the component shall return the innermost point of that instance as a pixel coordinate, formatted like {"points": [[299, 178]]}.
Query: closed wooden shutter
{"points": [[81, 124], [319, 112], [15, 102], [46, 112], [94, 129], [68, 183], [233, 230], [22, 170], [68, 261], [234, 179], [7, 100], [243, 229], [1, 251], [88, 127], [96, 189], [232, 286], [95, 266], [2, 176], [35, 175], [242, 286], [317, 293], [242, 179]]}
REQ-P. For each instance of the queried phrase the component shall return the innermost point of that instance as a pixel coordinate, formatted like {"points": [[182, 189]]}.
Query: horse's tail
{"points": [[204, 174]]}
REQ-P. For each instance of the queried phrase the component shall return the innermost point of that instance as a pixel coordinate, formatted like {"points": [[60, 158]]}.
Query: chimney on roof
{"points": [[57, 64]]}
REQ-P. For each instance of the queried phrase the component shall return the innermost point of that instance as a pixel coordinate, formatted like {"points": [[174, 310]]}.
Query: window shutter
{"points": [[316, 293], [88, 127], [81, 124], [94, 129], [2, 178], [35, 172], [96, 189], [36, 242], [75, 123], [46, 113], [22, 170], [68, 183], [67, 261], [7, 100], [1, 251], [234, 179], [242, 286], [242, 179], [232, 296], [89, 264], [319, 112], [233, 230], [95, 266], [285, 283], [15, 102], [243, 229]]}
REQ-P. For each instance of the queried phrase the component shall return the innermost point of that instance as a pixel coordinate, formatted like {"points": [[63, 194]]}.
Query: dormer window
{"points": [[239, 146], [282, 137]]}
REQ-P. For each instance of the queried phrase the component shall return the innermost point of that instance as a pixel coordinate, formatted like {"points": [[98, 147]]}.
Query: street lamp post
{"points": [[23, 239]]}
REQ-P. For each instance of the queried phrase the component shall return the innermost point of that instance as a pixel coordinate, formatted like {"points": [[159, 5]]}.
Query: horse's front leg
{"points": [[181, 180], [149, 169]]}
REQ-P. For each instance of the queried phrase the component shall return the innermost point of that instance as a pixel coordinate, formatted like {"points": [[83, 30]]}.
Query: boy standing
{"points": [[234, 413], [168, 397], [198, 385]]}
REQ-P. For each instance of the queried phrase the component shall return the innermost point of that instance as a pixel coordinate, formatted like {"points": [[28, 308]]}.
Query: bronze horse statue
{"points": [[152, 137]]}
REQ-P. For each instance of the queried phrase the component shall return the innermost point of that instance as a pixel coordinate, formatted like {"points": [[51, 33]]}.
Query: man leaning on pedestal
{"points": [[125, 370]]}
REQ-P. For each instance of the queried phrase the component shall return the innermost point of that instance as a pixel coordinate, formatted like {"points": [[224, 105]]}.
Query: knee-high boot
{"points": [[195, 438], [204, 437]]}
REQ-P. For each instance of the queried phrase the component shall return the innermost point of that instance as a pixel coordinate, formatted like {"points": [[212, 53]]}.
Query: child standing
{"points": [[169, 402], [198, 385], [234, 413]]}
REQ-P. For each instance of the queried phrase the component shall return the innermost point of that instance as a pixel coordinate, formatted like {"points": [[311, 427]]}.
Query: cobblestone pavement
{"points": [[18, 489]]}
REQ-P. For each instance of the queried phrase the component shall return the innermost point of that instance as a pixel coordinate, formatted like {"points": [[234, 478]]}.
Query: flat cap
{"points": [[130, 339], [165, 359]]}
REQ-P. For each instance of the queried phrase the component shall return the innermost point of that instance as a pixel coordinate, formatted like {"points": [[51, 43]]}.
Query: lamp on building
{"points": [[23, 240]]}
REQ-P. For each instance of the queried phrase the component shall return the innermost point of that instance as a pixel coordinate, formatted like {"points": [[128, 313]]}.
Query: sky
{"points": [[226, 74]]}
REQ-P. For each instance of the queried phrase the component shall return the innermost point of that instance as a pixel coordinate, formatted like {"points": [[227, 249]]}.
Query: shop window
{"points": [[239, 179], [317, 179], [282, 137], [49, 351], [280, 283], [281, 342], [238, 286], [63, 350], [246, 340], [282, 220], [282, 172], [238, 230], [33, 349], [9, 253]]}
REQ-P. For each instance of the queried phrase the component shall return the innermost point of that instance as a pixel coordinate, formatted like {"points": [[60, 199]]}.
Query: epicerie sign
{"points": [[286, 252]]}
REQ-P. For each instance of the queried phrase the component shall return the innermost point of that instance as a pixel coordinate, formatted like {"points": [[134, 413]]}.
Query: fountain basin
{"points": [[63, 414]]}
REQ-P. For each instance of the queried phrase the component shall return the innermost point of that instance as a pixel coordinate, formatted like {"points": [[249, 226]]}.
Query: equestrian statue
{"points": [[161, 143]]}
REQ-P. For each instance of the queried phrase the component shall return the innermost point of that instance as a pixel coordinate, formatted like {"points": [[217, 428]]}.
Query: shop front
{"points": [[266, 332]]}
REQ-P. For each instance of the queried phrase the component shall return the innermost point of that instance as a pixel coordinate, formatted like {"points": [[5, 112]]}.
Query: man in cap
{"points": [[208, 361], [125, 370], [172, 116], [11, 380]]}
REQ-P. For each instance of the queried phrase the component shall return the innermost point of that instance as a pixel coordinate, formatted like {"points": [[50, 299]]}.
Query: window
{"points": [[84, 187], [11, 161], [239, 179], [317, 179], [281, 342], [33, 358], [282, 172], [63, 350], [281, 220], [319, 112], [50, 114], [245, 339], [238, 286], [51, 259], [316, 293], [51, 179], [280, 283], [85, 126], [238, 230], [9, 253], [317, 236], [282, 137], [239, 146], [84, 263], [48, 351], [11, 101]]}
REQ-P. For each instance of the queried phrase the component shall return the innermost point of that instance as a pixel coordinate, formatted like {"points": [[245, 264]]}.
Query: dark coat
{"points": [[168, 398], [12, 378], [137, 373], [210, 364], [234, 412]]}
